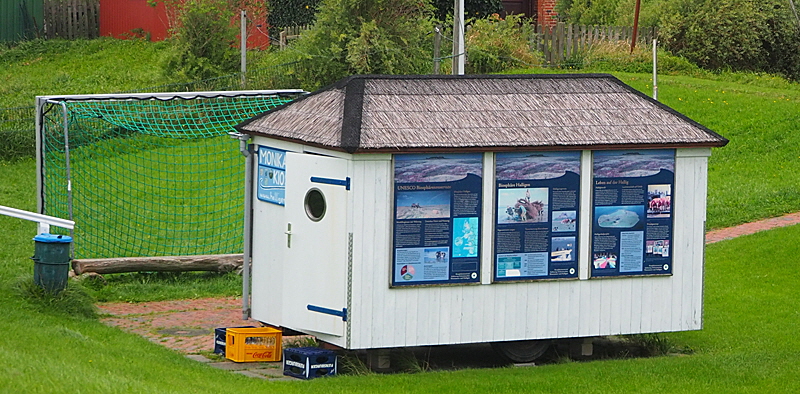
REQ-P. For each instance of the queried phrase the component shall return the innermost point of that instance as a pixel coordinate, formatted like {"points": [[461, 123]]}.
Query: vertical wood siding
{"points": [[382, 317], [71, 19]]}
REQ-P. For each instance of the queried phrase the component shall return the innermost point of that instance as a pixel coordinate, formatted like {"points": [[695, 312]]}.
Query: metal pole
{"points": [[458, 38], [437, 44], [39, 155], [243, 45], [248, 151], [655, 68], [67, 166]]}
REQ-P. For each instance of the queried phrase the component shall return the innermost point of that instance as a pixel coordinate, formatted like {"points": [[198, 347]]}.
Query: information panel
{"points": [[537, 204], [632, 207], [437, 206], [271, 175]]}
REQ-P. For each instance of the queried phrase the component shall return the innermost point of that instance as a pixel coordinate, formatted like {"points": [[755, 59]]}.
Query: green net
{"points": [[149, 177]]}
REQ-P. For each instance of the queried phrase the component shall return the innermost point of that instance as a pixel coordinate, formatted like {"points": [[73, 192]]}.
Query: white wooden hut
{"points": [[398, 211]]}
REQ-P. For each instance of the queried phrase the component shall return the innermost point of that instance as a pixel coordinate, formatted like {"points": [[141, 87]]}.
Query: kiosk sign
{"points": [[437, 206], [632, 207], [271, 175]]}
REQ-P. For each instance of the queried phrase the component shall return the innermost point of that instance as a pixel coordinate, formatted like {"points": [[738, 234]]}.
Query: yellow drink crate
{"points": [[253, 344]]}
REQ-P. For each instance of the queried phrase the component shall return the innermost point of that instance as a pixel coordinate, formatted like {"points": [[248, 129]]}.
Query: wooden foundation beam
{"points": [[216, 263]]}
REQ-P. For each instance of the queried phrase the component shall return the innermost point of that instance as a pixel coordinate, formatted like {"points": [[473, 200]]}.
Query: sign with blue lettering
{"points": [[632, 212], [271, 175], [437, 213], [536, 228]]}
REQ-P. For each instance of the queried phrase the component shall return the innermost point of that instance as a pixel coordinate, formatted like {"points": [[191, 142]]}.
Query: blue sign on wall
{"points": [[537, 204], [632, 212], [437, 211], [271, 175]]}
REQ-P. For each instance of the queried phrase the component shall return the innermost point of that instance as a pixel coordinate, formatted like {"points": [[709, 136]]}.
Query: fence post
{"points": [[437, 44]]}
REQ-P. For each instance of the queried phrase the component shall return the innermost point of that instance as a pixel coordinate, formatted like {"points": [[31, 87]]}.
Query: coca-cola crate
{"points": [[253, 344], [309, 362], [219, 339]]}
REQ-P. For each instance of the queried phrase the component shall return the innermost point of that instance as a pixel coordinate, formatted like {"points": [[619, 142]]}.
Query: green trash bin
{"points": [[51, 260]]}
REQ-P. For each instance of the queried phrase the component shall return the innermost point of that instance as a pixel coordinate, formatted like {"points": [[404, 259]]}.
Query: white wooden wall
{"points": [[380, 316]]}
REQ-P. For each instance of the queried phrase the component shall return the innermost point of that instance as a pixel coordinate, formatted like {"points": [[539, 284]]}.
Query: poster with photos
{"points": [[537, 215], [632, 212], [437, 213]]}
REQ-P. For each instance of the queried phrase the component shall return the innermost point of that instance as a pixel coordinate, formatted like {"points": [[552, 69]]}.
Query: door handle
{"points": [[288, 233]]}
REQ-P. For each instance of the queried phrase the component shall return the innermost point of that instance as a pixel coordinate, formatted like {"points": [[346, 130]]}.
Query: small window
{"points": [[315, 205]]}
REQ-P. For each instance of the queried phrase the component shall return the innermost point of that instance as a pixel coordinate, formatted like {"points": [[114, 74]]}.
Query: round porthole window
{"points": [[315, 205]]}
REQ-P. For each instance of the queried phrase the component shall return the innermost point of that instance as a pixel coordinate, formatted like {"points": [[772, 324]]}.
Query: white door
{"points": [[315, 265]]}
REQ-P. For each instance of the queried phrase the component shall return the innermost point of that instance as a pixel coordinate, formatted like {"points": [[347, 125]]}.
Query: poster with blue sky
{"points": [[437, 205], [537, 196], [632, 212]]}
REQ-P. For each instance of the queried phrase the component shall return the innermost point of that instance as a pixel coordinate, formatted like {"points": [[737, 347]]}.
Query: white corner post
{"points": [[248, 151], [458, 38]]}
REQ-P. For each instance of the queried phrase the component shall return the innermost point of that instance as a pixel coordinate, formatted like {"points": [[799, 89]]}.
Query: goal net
{"points": [[147, 174]]}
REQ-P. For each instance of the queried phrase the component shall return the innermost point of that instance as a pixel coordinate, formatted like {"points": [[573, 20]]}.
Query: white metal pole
{"points": [[243, 45], [39, 154], [655, 68], [248, 150], [458, 38]]}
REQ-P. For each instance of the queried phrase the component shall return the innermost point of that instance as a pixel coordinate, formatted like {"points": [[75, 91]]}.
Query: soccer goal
{"points": [[147, 174]]}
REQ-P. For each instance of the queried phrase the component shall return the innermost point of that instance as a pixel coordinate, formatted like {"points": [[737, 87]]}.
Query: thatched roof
{"points": [[364, 114]]}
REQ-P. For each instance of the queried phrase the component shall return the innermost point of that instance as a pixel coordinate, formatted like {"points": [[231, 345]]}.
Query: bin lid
{"points": [[53, 238]]}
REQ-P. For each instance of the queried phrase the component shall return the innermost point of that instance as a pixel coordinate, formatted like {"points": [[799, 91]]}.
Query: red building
{"points": [[137, 18], [541, 10]]}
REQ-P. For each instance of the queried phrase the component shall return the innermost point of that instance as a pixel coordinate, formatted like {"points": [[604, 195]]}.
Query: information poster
{"points": [[271, 175], [437, 206], [536, 233], [632, 207]]}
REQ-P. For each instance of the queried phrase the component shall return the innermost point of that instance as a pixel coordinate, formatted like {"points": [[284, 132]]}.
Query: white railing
{"points": [[44, 221]]}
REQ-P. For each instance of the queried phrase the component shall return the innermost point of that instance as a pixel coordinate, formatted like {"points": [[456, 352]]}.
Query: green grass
{"points": [[55, 67], [752, 177], [748, 343]]}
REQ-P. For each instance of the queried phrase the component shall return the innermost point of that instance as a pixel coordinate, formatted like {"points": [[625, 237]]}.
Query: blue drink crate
{"points": [[219, 339], [309, 362]]}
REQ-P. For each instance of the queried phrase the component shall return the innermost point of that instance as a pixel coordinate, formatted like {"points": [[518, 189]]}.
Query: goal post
{"points": [[147, 174]]}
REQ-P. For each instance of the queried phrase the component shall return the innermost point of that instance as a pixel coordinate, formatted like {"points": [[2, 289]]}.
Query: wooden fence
{"points": [[562, 41], [71, 19], [290, 33]]}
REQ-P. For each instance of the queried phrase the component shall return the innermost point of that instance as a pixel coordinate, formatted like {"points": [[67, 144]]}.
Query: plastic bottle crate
{"points": [[220, 339], [309, 362], [253, 344]]}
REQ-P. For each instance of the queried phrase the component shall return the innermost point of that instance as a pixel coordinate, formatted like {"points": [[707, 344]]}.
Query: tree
{"points": [[365, 37], [204, 40]]}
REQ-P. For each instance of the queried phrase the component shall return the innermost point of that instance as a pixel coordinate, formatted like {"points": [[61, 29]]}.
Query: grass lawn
{"points": [[748, 343]]}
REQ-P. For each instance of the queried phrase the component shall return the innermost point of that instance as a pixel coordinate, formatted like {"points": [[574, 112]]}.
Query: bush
{"points": [[495, 44], [716, 34], [365, 37], [205, 43]]}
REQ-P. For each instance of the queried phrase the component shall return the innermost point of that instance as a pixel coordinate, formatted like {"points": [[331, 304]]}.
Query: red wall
{"points": [[547, 14], [119, 18], [135, 18]]}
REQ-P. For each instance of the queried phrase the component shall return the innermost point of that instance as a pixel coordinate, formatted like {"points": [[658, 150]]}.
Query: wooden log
{"points": [[216, 263]]}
